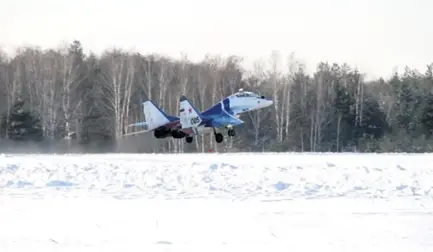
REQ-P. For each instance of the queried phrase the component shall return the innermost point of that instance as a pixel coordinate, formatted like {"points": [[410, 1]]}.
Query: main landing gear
{"points": [[189, 139], [219, 138]]}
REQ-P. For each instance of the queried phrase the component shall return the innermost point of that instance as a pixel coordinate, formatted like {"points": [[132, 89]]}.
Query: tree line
{"points": [[62, 100]]}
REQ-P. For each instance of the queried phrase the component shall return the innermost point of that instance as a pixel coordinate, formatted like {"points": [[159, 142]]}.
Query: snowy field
{"points": [[216, 202]]}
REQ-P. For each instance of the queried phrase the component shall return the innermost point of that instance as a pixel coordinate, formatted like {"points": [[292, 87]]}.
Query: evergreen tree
{"points": [[343, 104], [374, 123], [427, 116], [22, 124]]}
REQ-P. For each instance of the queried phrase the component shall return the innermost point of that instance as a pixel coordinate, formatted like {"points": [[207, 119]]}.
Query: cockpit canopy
{"points": [[243, 93], [246, 94]]}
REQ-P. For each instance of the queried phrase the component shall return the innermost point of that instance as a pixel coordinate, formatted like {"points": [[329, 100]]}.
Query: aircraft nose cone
{"points": [[269, 102], [265, 102]]}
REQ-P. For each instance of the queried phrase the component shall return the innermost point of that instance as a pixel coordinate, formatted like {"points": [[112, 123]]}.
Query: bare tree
{"points": [[117, 79], [73, 73], [256, 117], [292, 69], [50, 93], [4, 81], [275, 79], [165, 76], [147, 82]]}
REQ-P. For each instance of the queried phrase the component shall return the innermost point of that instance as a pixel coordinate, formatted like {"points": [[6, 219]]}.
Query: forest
{"points": [[64, 101]]}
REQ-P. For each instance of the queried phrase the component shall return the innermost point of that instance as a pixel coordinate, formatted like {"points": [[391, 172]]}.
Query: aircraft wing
{"points": [[224, 119]]}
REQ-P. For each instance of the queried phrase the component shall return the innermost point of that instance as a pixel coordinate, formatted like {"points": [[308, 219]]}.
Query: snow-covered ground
{"points": [[216, 202]]}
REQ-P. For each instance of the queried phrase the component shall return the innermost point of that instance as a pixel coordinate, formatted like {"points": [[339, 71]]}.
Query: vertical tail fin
{"points": [[154, 116], [189, 115]]}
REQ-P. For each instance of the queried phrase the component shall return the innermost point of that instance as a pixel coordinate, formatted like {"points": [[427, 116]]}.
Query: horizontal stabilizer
{"points": [[145, 125], [136, 132]]}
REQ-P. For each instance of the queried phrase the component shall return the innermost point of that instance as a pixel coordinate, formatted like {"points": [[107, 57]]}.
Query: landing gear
{"points": [[219, 137], [231, 133], [177, 134]]}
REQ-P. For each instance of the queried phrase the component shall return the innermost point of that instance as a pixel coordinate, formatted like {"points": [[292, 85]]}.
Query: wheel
{"points": [[188, 139], [219, 137], [231, 132]]}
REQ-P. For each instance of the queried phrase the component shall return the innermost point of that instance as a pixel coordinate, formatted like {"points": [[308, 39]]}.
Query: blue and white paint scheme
{"points": [[236, 104], [191, 122]]}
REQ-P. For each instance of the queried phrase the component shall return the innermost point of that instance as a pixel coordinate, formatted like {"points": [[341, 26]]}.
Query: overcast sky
{"points": [[374, 35]]}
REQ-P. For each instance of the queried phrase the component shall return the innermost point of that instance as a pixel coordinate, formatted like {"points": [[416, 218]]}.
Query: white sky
{"points": [[374, 35]]}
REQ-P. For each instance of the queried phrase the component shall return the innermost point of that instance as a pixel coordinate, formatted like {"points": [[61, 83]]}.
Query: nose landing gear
{"points": [[219, 137], [231, 133]]}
